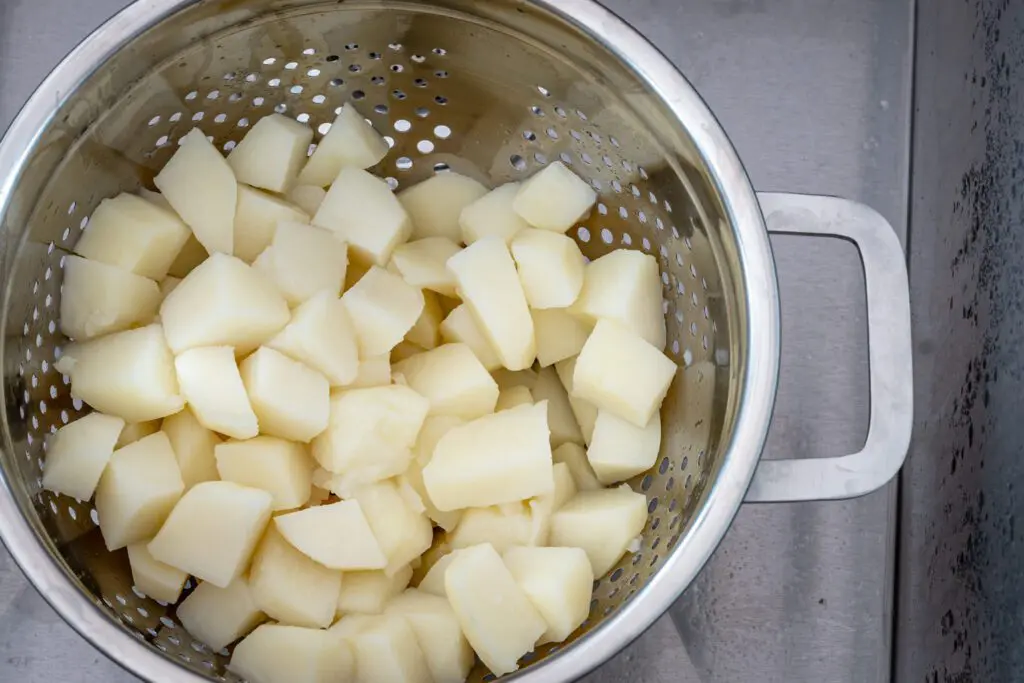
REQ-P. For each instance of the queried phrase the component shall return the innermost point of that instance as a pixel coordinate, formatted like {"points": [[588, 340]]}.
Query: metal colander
{"points": [[495, 90]]}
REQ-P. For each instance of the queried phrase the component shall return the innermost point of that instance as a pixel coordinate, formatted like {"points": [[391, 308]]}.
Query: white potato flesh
{"points": [[619, 372], [290, 587], [212, 385], [138, 489], [521, 378], [383, 308], [550, 268], [99, 299], [620, 450], [272, 153], [426, 333], [603, 523], [213, 531], [492, 215], [137, 430], [373, 372], [624, 286], [363, 211], [448, 654], [502, 528], [277, 653], [303, 260], [337, 536], [423, 263], [512, 397], [498, 619], [256, 217], [321, 335], [433, 429], [559, 583], [350, 143], [193, 447], [433, 580], [435, 204], [190, 256], [220, 616], [453, 380], [554, 199], [291, 400], [153, 578], [575, 458], [349, 626], [403, 533], [585, 411], [223, 302], [77, 454], [559, 335], [281, 468], [404, 351], [387, 651], [369, 592], [200, 186], [308, 197], [167, 286], [489, 284], [500, 458], [135, 235], [561, 420], [460, 326], [542, 507]]}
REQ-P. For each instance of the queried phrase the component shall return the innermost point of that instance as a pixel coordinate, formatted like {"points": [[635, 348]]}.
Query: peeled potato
{"points": [[620, 450], [603, 523], [387, 651], [460, 326], [453, 380], [436, 204], [554, 198], [561, 420], [433, 429], [281, 468], [433, 580], [271, 153], [503, 528], [423, 263], [99, 299], [308, 197], [559, 335], [492, 214], [212, 385], [373, 372], [78, 453], [275, 653], [512, 397], [190, 256], [364, 213], [303, 260], [624, 286], [256, 217], [550, 268], [336, 535], [383, 309], [403, 533], [448, 654], [193, 447], [322, 336], [350, 143], [543, 507], [369, 592], [291, 588], [291, 400], [220, 616], [153, 578], [573, 456], [426, 333], [585, 411], [559, 583], [137, 430]]}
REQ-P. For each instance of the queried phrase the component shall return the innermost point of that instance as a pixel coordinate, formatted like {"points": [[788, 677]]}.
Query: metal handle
{"points": [[889, 354]]}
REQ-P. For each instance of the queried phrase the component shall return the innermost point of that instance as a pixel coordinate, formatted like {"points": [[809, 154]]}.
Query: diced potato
{"points": [[402, 533], [373, 372], [337, 536], [619, 372], [489, 284], [77, 454], [139, 486], [499, 620], [256, 217], [512, 397], [275, 653], [99, 299], [492, 214], [383, 309], [454, 381], [290, 400], [387, 651], [137, 430], [223, 302], [193, 446], [303, 260], [559, 335], [575, 458], [357, 268], [426, 333], [290, 587], [460, 326], [554, 198], [322, 336], [190, 256], [201, 187], [550, 268], [281, 468], [167, 285], [402, 352], [272, 153], [500, 458], [559, 583], [433, 581], [212, 385], [364, 213], [561, 420], [220, 616], [543, 507], [433, 429], [135, 235], [349, 626], [625, 286], [620, 450], [502, 528], [153, 578], [585, 411], [448, 654], [308, 197], [350, 143], [602, 522], [436, 204], [521, 378], [369, 592], [423, 264]]}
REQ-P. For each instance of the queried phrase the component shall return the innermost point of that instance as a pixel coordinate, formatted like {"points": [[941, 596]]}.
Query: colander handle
{"points": [[890, 357]]}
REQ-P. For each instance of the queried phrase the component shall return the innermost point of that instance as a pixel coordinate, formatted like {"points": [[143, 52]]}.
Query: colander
{"points": [[494, 90]]}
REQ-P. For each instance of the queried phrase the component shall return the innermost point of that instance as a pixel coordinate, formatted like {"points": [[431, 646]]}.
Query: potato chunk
{"points": [[550, 268], [603, 523], [559, 583], [423, 264], [256, 217], [373, 372], [403, 533], [290, 400], [554, 198], [308, 197], [620, 450], [336, 535], [543, 507], [193, 446], [220, 616], [271, 153], [433, 580], [275, 653], [191, 255], [383, 309], [512, 397], [212, 385], [448, 654], [291, 588], [559, 335], [281, 468], [426, 333], [453, 380], [322, 336], [303, 260], [433, 429], [99, 299], [134, 431], [492, 214], [78, 453], [624, 286], [435, 204], [153, 578], [575, 458], [387, 651], [585, 411], [364, 213], [503, 527], [350, 143], [460, 326], [561, 420], [369, 592]]}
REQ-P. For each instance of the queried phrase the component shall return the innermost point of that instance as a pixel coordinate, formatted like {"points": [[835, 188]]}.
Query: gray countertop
{"points": [[816, 96]]}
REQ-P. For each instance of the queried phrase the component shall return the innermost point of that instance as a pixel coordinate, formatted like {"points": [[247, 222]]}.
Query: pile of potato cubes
{"points": [[312, 399]]}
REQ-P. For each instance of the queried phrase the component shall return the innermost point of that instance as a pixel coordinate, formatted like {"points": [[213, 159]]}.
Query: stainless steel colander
{"points": [[491, 89]]}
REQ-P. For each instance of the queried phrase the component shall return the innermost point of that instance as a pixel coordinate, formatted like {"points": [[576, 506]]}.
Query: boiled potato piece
{"points": [[337, 536], [550, 268], [423, 263], [448, 654], [542, 507], [383, 308], [276, 653], [403, 534], [200, 186], [585, 411], [559, 335], [619, 372], [373, 372], [499, 620], [387, 651], [99, 299], [272, 153], [561, 420], [620, 450], [602, 522], [624, 286], [404, 351], [435, 204], [500, 458], [190, 256], [193, 446], [433, 581], [223, 302], [303, 260], [350, 143], [559, 583], [167, 285], [321, 335], [153, 578], [489, 284], [77, 454], [502, 528], [308, 197], [137, 430], [575, 458], [256, 217], [291, 588], [453, 380], [433, 429], [220, 616], [492, 214], [212, 385], [554, 198], [349, 626], [139, 486], [512, 397], [134, 235], [426, 333], [369, 592], [460, 326], [281, 468], [521, 378], [290, 400], [364, 213]]}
